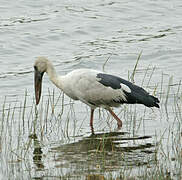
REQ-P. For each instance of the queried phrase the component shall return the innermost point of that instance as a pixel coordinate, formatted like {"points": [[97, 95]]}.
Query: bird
{"points": [[94, 88]]}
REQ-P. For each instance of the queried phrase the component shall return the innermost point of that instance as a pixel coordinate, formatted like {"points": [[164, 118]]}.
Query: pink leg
{"points": [[91, 120], [116, 117]]}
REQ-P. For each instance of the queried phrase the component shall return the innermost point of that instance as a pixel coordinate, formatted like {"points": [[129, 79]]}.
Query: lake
{"points": [[53, 140]]}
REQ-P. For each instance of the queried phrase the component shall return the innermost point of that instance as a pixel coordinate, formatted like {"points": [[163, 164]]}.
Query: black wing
{"points": [[136, 95]]}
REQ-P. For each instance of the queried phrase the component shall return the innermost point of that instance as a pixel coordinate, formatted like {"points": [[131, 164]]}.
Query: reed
{"points": [[54, 137]]}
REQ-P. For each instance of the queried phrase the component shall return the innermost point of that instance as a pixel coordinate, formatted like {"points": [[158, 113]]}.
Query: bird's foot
{"points": [[92, 130], [119, 124]]}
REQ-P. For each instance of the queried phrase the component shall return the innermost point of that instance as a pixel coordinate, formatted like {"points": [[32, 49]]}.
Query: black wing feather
{"points": [[137, 94]]}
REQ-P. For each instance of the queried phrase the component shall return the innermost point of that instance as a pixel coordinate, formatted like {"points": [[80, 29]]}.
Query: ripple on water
{"points": [[76, 34]]}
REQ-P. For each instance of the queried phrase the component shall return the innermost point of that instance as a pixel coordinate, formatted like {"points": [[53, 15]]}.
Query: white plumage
{"points": [[83, 84], [94, 88]]}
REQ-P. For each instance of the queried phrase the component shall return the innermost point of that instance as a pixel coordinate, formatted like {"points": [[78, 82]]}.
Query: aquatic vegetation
{"points": [[53, 140]]}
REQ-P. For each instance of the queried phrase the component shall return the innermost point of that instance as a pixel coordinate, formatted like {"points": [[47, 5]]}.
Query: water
{"points": [[76, 34]]}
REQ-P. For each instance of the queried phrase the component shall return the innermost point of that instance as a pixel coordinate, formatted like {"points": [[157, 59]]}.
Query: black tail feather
{"points": [[155, 102], [141, 97]]}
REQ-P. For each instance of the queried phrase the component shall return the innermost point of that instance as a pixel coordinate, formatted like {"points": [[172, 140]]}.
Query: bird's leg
{"points": [[119, 122], [91, 120]]}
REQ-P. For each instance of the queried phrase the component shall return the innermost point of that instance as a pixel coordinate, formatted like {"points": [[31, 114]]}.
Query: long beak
{"points": [[38, 85]]}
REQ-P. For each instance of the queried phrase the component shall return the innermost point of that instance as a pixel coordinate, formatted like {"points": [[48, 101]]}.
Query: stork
{"points": [[94, 88]]}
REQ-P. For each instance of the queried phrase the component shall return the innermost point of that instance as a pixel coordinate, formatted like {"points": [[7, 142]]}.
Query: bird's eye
{"points": [[35, 67]]}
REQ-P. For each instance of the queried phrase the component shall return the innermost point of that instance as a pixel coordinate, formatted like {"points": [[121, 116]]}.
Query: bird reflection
{"points": [[108, 142], [103, 152], [37, 152]]}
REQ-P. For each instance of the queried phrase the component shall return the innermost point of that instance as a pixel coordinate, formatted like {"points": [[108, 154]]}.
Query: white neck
{"points": [[53, 76]]}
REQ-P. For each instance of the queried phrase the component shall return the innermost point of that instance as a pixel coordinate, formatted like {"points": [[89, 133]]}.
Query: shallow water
{"points": [[76, 34]]}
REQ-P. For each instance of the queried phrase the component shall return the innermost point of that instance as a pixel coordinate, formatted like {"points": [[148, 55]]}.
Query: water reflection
{"points": [[37, 152], [106, 151]]}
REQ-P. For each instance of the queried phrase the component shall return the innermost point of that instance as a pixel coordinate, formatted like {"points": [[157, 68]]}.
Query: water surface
{"points": [[77, 34]]}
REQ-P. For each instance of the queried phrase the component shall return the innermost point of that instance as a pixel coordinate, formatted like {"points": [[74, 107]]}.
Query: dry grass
{"points": [[29, 136]]}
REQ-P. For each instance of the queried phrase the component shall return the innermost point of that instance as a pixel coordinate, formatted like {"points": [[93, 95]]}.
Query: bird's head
{"points": [[40, 67]]}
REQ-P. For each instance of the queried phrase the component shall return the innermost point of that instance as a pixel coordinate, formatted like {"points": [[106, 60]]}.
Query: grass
{"points": [[52, 140]]}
